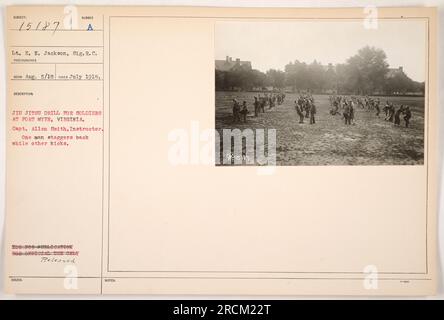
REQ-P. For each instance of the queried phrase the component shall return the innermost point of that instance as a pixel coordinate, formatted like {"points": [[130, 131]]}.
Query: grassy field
{"points": [[370, 141]]}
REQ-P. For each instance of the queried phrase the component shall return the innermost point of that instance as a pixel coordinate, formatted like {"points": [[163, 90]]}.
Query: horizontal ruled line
{"points": [[35, 46], [56, 30], [54, 277], [271, 272], [56, 62], [53, 80], [269, 278], [223, 278]]}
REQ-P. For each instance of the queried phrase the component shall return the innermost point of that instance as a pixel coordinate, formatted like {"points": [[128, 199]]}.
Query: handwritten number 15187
{"points": [[41, 25]]}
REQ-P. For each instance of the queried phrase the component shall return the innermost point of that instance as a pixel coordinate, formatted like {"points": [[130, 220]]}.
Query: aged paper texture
{"points": [[118, 175]]}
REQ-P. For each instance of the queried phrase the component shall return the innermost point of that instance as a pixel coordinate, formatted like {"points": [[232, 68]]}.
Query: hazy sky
{"points": [[273, 44]]}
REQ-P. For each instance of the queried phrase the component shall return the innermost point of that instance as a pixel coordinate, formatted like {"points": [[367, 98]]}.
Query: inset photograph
{"points": [[320, 92]]}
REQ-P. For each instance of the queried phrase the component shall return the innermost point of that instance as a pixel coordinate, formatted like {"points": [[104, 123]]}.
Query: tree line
{"points": [[367, 72]]}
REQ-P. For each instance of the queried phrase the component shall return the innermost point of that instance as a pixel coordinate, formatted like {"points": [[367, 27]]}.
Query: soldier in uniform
{"points": [[378, 108], [244, 111], [307, 108], [346, 113], [256, 106], [270, 102], [386, 110], [236, 111], [351, 114], [391, 112], [335, 110], [398, 115], [298, 107], [312, 113], [407, 116]]}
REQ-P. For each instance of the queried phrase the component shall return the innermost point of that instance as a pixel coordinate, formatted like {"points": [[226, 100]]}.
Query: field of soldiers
{"points": [[368, 140]]}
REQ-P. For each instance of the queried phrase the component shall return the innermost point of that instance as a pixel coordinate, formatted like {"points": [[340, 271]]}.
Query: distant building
{"points": [[393, 72], [329, 66], [229, 64]]}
